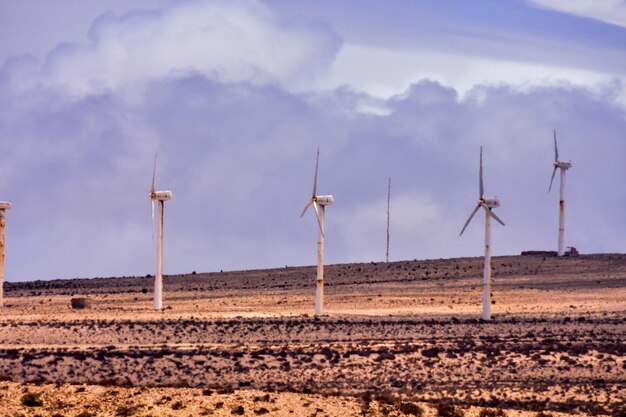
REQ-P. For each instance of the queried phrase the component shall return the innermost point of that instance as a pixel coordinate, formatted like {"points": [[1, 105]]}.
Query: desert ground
{"points": [[399, 338]]}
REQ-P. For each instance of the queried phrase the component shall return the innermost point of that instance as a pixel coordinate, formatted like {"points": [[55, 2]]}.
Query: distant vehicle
{"points": [[571, 251]]}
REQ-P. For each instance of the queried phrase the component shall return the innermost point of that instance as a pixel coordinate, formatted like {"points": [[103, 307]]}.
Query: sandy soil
{"points": [[93, 400], [407, 329]]}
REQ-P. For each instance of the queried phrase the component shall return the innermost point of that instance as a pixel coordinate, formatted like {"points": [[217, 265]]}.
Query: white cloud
{"points": [[239, 159], [230, 41], [609, 11], [386, 72]]}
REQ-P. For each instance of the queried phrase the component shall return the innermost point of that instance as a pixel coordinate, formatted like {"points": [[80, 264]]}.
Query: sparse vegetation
{"points": [[410, 409], [126, 410], [618, 412], [178, 405], [490, 412], [31, 400], [445, 409], [238, 410], [558, 360]]}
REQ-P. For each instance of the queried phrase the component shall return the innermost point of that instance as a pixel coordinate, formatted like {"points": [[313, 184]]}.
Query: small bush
{"points": [[164, 399], [619, 412], [261, 411], [385, 356], [207, 391], [430, 353], [448, 410], [490, 412], [85, 414], [543, 414], [410, 409], [178, 405], [385, 398], [126, 410], [31, 400], [238, 411], [219, 404]]}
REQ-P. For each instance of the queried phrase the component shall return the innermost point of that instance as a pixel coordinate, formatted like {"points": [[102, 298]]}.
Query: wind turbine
{"points": [[563, 166], [487, 204], [161, 197], [3, 206], [319, 203]]}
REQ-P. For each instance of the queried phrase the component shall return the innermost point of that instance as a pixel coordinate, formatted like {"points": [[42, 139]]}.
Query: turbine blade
{"points": [[552, 179], [153, 174], [556, 149], [307, 207], [480, 183], [317, 160], [469, 219], [492, 214], [319, 220]]}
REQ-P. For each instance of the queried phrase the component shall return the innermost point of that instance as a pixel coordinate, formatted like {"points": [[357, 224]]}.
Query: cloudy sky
{"points": [[237, 95]]}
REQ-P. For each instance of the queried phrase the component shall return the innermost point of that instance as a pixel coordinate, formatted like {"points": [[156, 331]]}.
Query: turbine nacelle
{"points": [[490, 202], [161, 195], [318, 200], [486, 203], [324, 200], [5, 205], [562, 165]]}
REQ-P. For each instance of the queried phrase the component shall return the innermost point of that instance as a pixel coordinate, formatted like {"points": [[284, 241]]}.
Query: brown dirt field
{"points": [[408, 329]]}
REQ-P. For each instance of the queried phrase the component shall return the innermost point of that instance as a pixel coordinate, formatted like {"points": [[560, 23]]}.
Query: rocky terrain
{"points": [[399, 331]]}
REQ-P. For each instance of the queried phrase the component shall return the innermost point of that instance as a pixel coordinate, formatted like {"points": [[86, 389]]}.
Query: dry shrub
{"points": [[237, 410], [448, 410], [619, 412], [490, 412], [31, 400], [126, 410], [410, 409]]}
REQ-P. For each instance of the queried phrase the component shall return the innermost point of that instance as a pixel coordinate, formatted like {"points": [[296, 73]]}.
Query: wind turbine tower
{"points": [[388, 207], [488, 204], [563, 166], [3, 207], [160, 197], [319, 203]]}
